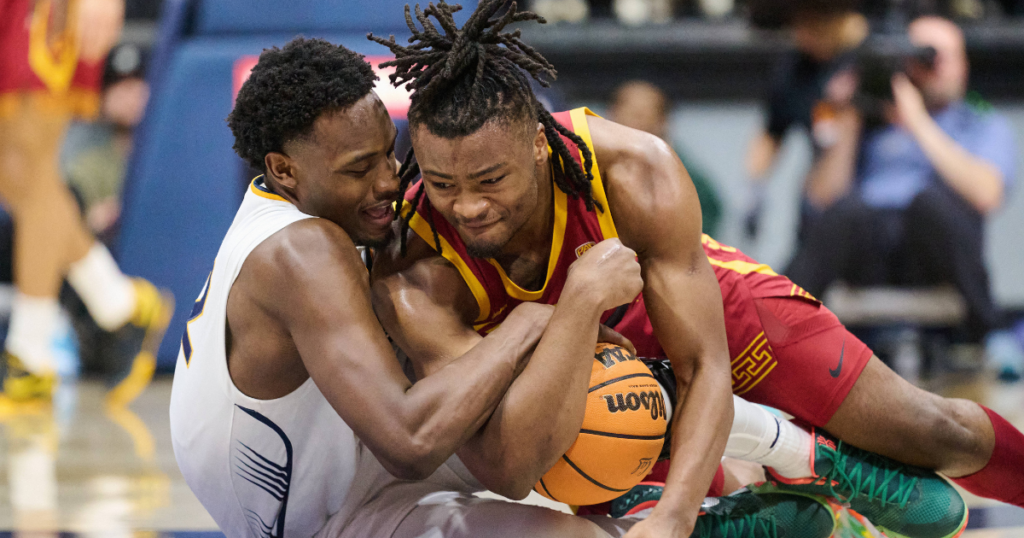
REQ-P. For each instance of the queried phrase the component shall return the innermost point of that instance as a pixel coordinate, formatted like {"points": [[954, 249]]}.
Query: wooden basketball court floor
{"points": [[74, 469]]}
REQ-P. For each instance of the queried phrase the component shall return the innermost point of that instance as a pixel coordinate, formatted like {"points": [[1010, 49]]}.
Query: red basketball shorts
{"points": [[817, 361]]}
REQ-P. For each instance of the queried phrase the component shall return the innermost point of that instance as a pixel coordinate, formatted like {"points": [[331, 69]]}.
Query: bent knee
{"points": [[954, 433]]}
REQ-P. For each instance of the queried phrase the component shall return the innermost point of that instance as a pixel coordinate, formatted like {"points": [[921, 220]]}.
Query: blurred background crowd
{"points": [[868, 149], [635, 12]]}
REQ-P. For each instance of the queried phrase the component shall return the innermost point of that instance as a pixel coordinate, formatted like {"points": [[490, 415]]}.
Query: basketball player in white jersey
{"points": [[290, 413]]}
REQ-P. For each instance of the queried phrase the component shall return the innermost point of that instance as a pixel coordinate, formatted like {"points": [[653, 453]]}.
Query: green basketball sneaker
{"points": [[641, 497], [764, 511], [903, 501], [761, 511]]}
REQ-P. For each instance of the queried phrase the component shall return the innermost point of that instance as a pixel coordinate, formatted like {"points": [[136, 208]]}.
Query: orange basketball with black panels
{"points": [[622, 434]]}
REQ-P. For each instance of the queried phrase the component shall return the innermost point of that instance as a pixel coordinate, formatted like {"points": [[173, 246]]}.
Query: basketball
{"points": [[621, 437]]}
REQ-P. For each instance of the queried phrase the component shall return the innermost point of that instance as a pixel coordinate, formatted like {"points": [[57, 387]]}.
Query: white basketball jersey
{"points": [[262, 468]]}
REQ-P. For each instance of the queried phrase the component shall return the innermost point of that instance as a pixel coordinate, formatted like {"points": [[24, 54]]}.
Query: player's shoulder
{"points": [[627, 157], [644, 178], [419, 268], [307, 250], [410, 259], [650, 194], [418, 265]]}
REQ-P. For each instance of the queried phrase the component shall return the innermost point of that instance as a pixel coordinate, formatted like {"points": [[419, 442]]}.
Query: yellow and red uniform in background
{"points": [[39, 59]]}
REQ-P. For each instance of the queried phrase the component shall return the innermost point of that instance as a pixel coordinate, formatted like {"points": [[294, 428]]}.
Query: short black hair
{"points": [[289, 88], [462, 78]]}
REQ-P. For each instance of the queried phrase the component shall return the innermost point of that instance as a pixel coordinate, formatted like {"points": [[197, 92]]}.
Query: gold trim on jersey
{"points": [[557, 238], [743, 267], [422, 229], [54, 62], [582, 128], [711, 243], [264, 193]]}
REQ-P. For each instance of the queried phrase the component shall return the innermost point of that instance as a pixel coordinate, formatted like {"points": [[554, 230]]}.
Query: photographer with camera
{"points": [[905, 186]]}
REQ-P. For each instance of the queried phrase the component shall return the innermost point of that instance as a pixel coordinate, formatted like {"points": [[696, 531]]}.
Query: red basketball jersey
{"points": [[576, 229]]}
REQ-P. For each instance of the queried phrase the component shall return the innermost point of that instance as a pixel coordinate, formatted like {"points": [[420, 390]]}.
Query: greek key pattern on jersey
{"points": [[753, 365]]}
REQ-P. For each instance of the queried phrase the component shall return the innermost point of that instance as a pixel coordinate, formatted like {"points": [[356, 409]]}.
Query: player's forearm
{"points": [[446, 408], [700, 432], [977, 181], [542, 412]]}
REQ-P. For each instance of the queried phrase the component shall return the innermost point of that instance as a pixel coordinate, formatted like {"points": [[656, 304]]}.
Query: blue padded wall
{"points": [[186, 182]]}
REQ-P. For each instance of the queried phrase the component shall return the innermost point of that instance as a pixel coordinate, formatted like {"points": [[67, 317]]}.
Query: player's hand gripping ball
{"points": [[622, 434]]}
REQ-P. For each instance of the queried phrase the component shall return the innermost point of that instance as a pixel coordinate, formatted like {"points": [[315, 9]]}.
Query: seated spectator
{"points": [[643, 106], [907, 200]]}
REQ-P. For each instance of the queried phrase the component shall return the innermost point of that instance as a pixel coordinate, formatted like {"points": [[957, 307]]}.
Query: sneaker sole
{"points": [[956, 534], [832, 506]]}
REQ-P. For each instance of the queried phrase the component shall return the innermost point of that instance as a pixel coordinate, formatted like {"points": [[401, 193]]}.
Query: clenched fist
{"points": [[608, 272]]}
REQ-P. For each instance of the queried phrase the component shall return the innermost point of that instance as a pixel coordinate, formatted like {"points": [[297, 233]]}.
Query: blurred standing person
{"points": [[643, 106], [907, 200], [51, 61], [805, 85], [95, 153]]}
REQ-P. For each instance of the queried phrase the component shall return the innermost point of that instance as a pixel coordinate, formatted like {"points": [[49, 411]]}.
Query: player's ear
{"points": [[540, 145], [281, 168]]}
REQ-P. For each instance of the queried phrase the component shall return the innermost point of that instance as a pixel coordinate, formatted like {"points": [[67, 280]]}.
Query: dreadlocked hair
{"points": [[463, 78]]}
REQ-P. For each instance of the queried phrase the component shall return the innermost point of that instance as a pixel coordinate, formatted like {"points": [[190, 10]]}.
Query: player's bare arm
{"points": [[301, 308], [658, 215], [540, 415]]}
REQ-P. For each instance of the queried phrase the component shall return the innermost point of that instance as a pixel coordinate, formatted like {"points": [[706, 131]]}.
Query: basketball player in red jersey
{"points": [[52, 54], [511, 195]]}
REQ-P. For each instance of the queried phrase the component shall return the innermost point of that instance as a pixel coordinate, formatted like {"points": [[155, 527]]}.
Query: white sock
{"points": [[761, 437], [30, 333], [106, 291]]}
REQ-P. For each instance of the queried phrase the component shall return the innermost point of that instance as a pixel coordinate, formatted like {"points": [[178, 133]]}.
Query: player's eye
{"points": [[440, 186], [357, 173], [492, 181]]}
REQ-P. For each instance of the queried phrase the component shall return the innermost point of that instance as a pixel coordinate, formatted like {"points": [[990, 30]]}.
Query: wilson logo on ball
{"points": [[651, 401]]}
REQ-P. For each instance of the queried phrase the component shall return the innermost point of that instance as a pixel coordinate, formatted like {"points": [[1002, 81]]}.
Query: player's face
{"points": [[485, 184], [346, 171]]}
